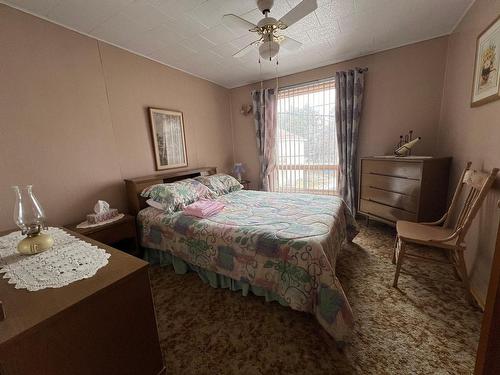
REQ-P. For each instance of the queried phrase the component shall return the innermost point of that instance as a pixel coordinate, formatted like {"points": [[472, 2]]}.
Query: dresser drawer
{"points": [[112, 234], [405, 202], [385, 212], [392, 168], [392, 184]]}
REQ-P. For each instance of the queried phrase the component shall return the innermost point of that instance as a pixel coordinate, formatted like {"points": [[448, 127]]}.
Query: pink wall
{"points": [[59, 133], [472, 134], [403, 91]]}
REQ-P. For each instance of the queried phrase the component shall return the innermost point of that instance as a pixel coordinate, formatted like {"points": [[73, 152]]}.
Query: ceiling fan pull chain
{"points": [[277, 76], [260, 75]]}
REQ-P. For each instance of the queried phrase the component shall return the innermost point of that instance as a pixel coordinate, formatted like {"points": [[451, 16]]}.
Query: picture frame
{"points": [[167, 129], [486, 80]]}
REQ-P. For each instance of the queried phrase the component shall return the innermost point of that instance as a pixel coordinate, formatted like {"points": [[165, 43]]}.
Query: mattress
{"points": [[286, 243]]}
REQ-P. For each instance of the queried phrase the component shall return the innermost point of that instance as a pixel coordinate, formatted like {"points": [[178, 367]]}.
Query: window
{"points": [[307, 159]]}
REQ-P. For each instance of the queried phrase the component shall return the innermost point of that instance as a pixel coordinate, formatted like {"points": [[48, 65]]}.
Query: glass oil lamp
{"points": [[30, 218]]}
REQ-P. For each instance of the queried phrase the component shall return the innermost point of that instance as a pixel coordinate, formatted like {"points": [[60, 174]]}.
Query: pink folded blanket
{"points": [[204, 208]]}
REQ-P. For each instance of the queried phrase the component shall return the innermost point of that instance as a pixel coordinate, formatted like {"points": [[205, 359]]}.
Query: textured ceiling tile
{"points": [[218, 34], [280, 8], [112, 29], [40, 7], [174, 53], [186, 26], [226, 50], [308, 22], [324, 33], [189, 35], [208, 13], [198, 44], [294, 3], [238, 7], [174, 7], [349, 44], [299, 36], [85, 16], [142, 12], [329, 12], [370, 5], [253, 16]]}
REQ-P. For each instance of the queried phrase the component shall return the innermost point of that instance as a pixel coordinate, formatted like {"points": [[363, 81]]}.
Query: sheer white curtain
{"points": [[306, 141]]}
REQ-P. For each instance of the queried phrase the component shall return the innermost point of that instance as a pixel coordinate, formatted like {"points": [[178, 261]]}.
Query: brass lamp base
{"points": [[35, 244]]}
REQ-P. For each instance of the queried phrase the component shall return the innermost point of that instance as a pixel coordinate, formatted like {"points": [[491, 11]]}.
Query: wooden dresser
{"points": [[405, 188], [102, 325]]}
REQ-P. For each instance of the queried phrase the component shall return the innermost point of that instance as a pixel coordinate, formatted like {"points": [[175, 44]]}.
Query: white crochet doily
{"points": [[69, 260]]}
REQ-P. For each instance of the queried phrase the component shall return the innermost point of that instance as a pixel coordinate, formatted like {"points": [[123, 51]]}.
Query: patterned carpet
{"points": [[424, 327]]}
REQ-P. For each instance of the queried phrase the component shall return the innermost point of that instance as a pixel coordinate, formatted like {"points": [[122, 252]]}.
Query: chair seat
{"points": [[425, 234]]}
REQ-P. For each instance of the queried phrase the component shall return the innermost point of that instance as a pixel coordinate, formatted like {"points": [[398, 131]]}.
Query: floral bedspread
{"points": [[286, 243]]}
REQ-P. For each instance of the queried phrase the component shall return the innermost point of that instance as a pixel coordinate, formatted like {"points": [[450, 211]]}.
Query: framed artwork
{"points": [[169, 141], [487, 64]]}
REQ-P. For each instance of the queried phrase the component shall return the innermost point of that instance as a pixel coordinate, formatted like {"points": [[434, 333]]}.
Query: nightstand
{"points": [[246, 184], [120, 234]]}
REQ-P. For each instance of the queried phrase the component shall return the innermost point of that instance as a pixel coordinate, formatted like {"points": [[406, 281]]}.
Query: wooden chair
{"points": [[442, 233]]}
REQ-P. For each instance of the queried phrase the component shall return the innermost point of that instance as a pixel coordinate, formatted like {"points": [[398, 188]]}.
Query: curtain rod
{"points": [[360, 70]]}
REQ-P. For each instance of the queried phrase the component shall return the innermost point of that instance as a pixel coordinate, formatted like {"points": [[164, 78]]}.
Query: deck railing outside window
{"points": [[307, 159]]}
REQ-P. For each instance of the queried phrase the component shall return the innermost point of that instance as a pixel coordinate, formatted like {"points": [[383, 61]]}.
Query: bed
{"points": [[283, 246]]}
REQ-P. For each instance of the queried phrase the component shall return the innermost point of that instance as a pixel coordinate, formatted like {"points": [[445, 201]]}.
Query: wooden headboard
{"points": [[136, 185]]}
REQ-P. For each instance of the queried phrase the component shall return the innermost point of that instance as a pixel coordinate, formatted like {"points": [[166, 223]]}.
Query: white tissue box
{"points": [[99, 218]]}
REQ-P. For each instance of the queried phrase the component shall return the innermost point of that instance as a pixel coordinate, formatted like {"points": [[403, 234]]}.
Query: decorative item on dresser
{"points": [[104, 324], [121, 234], [403, 188]]}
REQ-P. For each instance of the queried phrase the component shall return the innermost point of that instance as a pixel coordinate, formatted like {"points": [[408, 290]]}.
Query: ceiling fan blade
{"points": [[237, 23], [245, 50], [290, 43], [299, 12]]}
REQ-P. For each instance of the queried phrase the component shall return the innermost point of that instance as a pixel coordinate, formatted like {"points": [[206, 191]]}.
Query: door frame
{"points": [[488, 351]]}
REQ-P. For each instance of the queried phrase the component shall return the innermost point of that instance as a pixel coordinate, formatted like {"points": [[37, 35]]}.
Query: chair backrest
{"points": [[475, 185]]}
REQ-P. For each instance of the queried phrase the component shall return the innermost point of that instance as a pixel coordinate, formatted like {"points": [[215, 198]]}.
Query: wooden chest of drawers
{"points": [[101, 325], [413, 189]]}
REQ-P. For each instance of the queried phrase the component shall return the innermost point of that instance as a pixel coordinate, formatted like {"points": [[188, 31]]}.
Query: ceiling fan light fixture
{"points": [[268, 29], [268, 50], [268, 22]]}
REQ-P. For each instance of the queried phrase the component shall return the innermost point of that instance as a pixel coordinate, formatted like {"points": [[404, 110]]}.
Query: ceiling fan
{"points": [[268, 28]]}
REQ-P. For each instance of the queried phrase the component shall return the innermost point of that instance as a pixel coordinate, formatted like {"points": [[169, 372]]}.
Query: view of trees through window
{"points": [[307, 159]]}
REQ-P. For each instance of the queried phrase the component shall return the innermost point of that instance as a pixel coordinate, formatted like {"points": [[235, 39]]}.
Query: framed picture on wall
{"points": [[487, 64], [167, 128]]}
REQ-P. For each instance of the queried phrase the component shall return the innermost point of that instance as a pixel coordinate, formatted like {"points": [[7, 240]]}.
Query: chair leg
{"points": [[453, 258], [399, 262], [395, 249], [462, 271]]}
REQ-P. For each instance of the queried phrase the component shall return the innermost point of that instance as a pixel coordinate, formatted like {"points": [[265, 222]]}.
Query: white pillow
{"points": [[155, 204]]}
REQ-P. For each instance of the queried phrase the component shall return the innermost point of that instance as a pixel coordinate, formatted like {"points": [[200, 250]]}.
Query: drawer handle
{"points": [[387, 190], [388, 205], [388, 175]]}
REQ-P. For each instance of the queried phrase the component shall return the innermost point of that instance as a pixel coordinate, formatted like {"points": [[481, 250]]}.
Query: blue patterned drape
{"points": [[264, 113], [349, 99]]}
